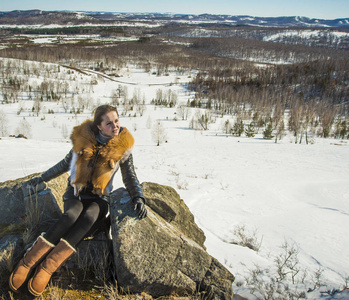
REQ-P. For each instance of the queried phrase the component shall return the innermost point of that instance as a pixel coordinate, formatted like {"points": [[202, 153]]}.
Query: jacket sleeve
{"points": [[130, 179], [58, 169]]}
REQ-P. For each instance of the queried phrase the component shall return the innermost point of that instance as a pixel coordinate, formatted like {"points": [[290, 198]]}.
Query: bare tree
{"points": [[278, 112], [202, 119], [158, 133], [295, 120], [326, 119], [65, 104], [148, 124], [3, 123], [183, 111], [227, 127], [24, 128], [280, 130], [115, 98], [64, 131], [37, 106], [309, 116]]}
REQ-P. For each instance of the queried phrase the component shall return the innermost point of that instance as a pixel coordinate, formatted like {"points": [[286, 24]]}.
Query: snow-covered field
{"points": [[279, 194], [117, 23], [43, 39], [305, 34]]}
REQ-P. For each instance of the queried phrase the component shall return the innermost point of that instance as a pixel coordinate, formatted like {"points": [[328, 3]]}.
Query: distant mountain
{"points": [[222, 19], [20, 13], [236, 20], [81, 17]]}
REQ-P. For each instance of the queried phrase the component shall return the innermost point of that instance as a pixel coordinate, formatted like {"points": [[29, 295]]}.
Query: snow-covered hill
{"points": [[277, 195], [23, 17]]}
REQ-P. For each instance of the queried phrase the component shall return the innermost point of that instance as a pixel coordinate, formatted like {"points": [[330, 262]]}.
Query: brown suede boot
{"points": [[34, 255], [53, 261]]}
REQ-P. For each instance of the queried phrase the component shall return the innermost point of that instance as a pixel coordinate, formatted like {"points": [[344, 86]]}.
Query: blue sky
{"points": [[324, 9]]}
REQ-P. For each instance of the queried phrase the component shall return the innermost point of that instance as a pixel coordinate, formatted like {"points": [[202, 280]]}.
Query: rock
{"points": [[23, 218], [45, 206], [16, 206], [6, 243], [161, 255], [158, 255], [93, 256], [21, 136], [166, 202]]}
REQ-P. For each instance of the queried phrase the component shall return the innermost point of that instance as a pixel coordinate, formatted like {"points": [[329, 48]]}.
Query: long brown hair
{"points": [[100, 111]]}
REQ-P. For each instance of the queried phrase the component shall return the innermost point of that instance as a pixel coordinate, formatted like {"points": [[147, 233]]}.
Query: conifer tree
{"points": [[250, 131], [344, 129], [341, 129], [268, 132], [238, 127]]}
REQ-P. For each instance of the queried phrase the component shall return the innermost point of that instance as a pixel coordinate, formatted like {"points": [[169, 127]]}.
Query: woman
{"points": [[100, 147]]}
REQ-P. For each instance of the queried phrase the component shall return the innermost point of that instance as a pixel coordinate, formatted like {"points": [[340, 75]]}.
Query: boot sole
{"points": [[31, 290], [11, 285]]}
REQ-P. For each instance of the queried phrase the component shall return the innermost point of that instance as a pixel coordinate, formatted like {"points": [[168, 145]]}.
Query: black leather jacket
{"points": [[128, 174]]}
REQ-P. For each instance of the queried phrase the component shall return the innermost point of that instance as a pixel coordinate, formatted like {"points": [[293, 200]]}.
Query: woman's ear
{"points": [[99, 127]]}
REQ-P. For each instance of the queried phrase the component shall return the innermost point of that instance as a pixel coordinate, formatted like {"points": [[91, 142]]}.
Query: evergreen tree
{"points": [[238, 128], [344, 129], [268, 132], [250, 131], [341, 129]]}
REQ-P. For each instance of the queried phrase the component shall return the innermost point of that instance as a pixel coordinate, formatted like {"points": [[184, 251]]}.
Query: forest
{"points": [[256, 81]]}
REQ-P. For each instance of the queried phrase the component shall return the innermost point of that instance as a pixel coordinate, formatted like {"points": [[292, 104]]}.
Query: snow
{"points": [[117, 23], [44, 39], [283, 192], [306, 34]]}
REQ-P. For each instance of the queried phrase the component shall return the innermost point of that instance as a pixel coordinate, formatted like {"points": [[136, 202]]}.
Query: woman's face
{"points": [[110, 125]]}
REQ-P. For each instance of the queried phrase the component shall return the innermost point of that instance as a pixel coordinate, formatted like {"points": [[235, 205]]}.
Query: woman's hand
{"points": [[139, 206]]}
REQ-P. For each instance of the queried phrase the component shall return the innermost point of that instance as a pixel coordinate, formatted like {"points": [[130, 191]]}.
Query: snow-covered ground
{"points": [[306, 34], [43, 39], [117, 23], [282, 193]]}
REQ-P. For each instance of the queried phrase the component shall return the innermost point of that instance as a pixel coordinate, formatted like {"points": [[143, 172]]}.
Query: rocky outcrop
{"points": [[166, 202], [163, 254], [158, 254], [17, 202]]}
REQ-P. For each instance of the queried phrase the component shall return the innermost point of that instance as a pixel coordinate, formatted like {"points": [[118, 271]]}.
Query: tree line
{"points": [[313, 88]]}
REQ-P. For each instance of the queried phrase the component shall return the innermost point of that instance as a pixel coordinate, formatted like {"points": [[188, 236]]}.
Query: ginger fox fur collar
{"points": [[94, 163]]}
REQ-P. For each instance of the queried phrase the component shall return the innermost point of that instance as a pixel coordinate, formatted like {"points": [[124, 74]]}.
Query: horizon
{"points": [[170, 13], [313, 9]]}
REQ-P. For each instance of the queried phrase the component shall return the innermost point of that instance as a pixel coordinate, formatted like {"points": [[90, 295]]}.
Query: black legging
{"points": [[78, 218]]}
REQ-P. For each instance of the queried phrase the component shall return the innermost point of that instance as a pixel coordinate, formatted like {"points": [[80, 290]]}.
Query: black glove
{"points": [[33, 186], [139, 206]]}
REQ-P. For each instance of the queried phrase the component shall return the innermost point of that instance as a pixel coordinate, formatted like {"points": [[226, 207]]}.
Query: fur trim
{"points": [[67, 244], [96, 163], [46, 241]]}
